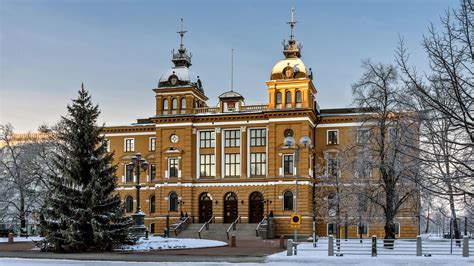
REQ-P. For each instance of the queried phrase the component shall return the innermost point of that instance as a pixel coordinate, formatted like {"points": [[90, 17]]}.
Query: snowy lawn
{"points": [[21, 239], [161, 243], [354, 255]]}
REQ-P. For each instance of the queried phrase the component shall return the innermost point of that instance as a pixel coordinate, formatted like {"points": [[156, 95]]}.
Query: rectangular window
{"points": [[152, 144], [128, 173], [232, 164], [288, 164], [331, 166], [207, 139], [333, 137], [173, 167], [129, 145], [258, 137], [152, 172], [107, 144], [258, 164], [232, 138], [362, 136], [332, 229], [207, 163], [362, 229]]}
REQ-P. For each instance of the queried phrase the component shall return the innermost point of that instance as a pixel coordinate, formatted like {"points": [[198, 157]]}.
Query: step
{"points": [[217, 231]]}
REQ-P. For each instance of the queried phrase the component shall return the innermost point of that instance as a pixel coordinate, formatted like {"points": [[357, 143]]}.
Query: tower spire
{"points": [[292, 23], [232, 70], [181, 58], [181, 34]]}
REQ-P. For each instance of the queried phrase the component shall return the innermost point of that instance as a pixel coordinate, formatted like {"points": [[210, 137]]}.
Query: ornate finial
{"points": [[292, 23], [181, 33]]}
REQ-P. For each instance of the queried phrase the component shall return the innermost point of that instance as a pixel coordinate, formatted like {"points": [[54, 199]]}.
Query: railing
{"points": [[207, 110], [244, 108], [260, 224], [232, 226], [205, 225], [181, 225], [255, 107]]}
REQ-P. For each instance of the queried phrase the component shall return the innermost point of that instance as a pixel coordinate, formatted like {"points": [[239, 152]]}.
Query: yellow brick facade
{"points": [[179, 122]]}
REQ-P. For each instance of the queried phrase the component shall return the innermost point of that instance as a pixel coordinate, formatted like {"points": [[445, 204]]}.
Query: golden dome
{"points": [[289, 68]]}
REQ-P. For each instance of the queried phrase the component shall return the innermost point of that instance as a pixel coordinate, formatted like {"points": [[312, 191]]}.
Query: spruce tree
{"points": [[82, 212]]}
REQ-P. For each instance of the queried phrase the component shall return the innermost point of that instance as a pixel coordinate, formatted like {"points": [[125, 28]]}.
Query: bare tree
{"points": [[387, 134], [23, 170], [447, 91]]}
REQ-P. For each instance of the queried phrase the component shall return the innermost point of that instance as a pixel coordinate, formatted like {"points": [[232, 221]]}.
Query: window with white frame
{"points": [[231, 138], [258, 164], [207, 164], [152, 144], [165, 106], [232, 164], [332, 228], [152, 171], [333, 137], [332, 167], [129, 145], [207, 139], [183, 105], [107, 144], [363, 136], [173, 167], [288, 164], [174, 106], [258, 137], [129, 173]]}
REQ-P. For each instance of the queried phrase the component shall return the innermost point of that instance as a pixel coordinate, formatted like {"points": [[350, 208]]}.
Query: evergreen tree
{"points": [[83, 212]]}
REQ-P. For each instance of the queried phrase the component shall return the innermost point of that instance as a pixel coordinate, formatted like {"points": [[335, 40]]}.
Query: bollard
{"points": [[330, 246], [465, 246], [10, 238], [232, 241], [418, 246], [282, 241], [289, 248], [374, 246]]}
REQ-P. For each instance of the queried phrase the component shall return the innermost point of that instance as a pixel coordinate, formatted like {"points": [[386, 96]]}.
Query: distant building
{"points": [[229, 160]]}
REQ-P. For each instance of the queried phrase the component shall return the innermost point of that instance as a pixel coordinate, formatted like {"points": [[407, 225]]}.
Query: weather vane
{"points": [[292, 23]]}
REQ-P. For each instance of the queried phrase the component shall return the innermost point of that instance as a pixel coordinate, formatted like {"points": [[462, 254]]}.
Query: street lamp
{"points": [[289, 141], [138, 164]]}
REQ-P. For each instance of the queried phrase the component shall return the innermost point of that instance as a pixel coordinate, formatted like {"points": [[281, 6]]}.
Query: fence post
{"points": [[289, 247], [374, 246], [418, 246], [331, 246], [465, 246]]}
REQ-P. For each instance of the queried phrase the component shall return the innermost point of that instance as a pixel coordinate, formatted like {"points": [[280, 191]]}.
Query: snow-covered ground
{"points": [[160, 243], [355, 253], [21, 239]]}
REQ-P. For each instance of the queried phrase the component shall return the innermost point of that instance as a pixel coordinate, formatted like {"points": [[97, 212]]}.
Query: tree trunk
{"points": [[23, 228], [428, 221]]}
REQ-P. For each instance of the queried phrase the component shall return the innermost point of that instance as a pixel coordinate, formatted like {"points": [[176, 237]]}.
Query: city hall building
{"points": [[230, 160]]}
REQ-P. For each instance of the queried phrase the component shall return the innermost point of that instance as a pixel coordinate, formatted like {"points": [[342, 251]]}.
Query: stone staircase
{"points": [[217, 231]]}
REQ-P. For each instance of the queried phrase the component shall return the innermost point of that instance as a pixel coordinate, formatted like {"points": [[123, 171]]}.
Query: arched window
{"points": [[288, 99], [174, 105], [165, 106], [230, 196], [152, 204], [288, 201], [183, 105], [278, 100], [129, 204], [173, 199], [298, 99]]}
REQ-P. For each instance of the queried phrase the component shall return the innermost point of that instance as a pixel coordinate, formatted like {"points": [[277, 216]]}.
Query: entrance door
{"points": [[230, 207], [255, 207], [205, 207]]}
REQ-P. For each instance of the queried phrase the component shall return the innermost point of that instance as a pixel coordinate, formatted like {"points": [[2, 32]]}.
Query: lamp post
{"points": [[289, 141], [139, 164]]}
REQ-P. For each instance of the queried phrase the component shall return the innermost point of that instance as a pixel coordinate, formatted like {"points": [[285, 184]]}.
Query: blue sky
{"points": [[119, 49]]}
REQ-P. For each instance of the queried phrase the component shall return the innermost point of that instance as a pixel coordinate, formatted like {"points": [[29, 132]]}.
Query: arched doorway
{"points": [[230, 207], [255, 207], [205, 207]]}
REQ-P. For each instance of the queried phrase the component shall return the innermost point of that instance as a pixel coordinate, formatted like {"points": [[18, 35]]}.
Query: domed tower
{"points": [[179, 91], [290, 85]]}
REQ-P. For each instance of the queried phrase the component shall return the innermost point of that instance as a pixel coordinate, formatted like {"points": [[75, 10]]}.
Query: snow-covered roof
{"points": [[181, 72]]}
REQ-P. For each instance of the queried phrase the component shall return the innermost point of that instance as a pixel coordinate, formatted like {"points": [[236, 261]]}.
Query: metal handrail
{"points": [[260, 224], [205, 225], [232, 226], [181, 224]]}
